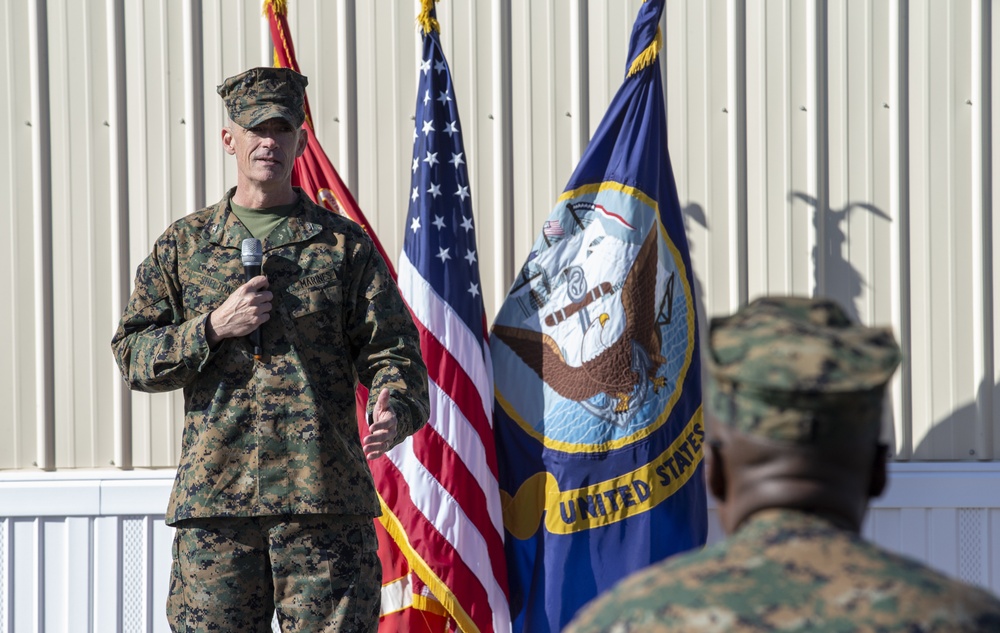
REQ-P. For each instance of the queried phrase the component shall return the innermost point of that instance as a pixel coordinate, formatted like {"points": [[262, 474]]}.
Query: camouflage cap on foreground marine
{"points": [[797, 369], [259, 94]]}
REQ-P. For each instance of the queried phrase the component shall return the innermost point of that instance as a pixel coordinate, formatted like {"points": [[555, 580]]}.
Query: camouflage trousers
{"points": [[321, 573]]}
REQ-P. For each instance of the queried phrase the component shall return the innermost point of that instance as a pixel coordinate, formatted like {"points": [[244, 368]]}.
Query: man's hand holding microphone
{"points": [[248, 307]]}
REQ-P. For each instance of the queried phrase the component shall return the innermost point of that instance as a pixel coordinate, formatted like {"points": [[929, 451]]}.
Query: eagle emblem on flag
{"points": [[594, 315]]}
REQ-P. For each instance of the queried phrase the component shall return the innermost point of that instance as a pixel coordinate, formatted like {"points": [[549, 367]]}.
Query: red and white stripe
{"points": [[441, 484]]}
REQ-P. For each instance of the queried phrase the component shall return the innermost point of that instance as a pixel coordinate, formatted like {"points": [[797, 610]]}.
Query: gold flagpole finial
{"points": [[280, 7], [426, 22]]}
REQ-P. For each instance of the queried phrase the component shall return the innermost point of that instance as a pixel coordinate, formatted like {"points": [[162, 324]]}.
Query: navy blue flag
{"points": [[598, 412]]}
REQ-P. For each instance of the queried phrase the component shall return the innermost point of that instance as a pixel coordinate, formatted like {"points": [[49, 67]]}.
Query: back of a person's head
{"points": [[795, 406]]}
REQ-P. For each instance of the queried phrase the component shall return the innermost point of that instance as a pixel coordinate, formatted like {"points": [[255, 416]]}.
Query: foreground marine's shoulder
{"points": [[934, 601], [780, 574]]}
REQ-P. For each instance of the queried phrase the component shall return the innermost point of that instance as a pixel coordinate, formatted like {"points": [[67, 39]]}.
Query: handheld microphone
{"points": [[252, 255]]}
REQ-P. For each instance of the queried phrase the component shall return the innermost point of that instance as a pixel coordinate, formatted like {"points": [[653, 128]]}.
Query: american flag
{"points": [[552, 228], [445, 515]]}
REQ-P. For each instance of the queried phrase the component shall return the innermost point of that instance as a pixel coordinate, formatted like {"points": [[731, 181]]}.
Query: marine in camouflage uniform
{"points": [[795, 402], [273, 498]]}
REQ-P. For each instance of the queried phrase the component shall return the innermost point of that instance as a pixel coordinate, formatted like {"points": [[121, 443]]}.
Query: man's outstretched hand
{"points": [[383, 428]]}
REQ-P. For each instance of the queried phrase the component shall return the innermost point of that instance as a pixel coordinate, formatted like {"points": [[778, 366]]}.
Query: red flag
{"points": [[313, 171], [407, 603]]}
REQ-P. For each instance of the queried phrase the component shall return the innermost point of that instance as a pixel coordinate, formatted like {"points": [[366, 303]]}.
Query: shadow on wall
{"points": [[842, 281], [693, 212], [955, 438], [951, 438]]}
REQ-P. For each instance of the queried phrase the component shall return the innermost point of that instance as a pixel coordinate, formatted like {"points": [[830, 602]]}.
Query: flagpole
{"points": [[194, 97], [503, 149], [347, 66], [899, 204], [819, 142], [118, 147], [41, 142], [579, 79], [982, 249], [266, 45], [737, 122]]}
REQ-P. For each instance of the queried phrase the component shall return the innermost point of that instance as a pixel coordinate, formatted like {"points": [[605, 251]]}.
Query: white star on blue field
{"points": [[440, 237]]}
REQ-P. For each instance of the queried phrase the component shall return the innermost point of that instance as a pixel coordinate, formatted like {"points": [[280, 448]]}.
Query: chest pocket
{"points": [[316, 309]]}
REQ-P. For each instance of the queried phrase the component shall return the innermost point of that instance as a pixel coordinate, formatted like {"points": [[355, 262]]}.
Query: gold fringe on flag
{"points": [[280, 7], [647, 56], [426, 22]]}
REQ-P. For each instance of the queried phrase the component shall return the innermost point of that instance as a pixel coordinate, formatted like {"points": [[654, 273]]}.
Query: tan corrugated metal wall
{"points": [[842, 147]]}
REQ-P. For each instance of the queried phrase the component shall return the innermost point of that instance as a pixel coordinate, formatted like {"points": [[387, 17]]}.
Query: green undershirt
{"points": [[260, 222]]}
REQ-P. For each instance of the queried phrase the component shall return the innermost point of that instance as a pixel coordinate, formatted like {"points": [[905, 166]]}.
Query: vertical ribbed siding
{"points": [[835, 146], [606, 45], [18, 322], [941, 231], [704, 123], [81, 217], [155, 97], [386, 63]]}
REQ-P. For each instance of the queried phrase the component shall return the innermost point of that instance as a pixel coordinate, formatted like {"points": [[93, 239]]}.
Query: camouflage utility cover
{"points": [[277, 436], [789, 571], [259, 94], [799, 370]]}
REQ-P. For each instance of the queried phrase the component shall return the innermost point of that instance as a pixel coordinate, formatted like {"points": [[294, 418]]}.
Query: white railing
{"points": [[88, 552]]}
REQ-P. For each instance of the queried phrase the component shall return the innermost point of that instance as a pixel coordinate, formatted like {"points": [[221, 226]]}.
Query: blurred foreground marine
{"points": [[273, 500], [795, 403]]}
